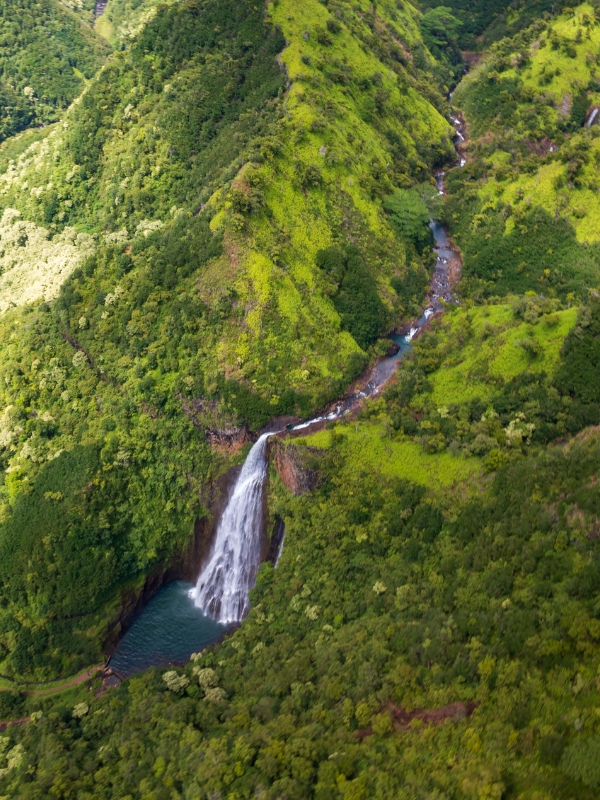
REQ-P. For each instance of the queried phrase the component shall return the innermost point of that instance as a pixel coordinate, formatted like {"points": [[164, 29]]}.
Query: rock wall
{"points": [[221, 433], [185, 566], [296, 466]]}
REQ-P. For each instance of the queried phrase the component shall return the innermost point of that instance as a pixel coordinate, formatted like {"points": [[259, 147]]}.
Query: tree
{"points": [[440, 28], [410, 217], [581, 761]]}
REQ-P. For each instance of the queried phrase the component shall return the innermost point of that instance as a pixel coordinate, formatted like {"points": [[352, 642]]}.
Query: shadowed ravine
{"points": [[221, 595]]}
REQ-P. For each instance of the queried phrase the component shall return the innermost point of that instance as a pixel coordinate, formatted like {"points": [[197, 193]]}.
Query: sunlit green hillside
{"points": [[556, 89], [483, 387], [525, 211], [314, 171]]}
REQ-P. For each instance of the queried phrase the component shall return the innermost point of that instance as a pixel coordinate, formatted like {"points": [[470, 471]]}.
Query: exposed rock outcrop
{"points": [[221, 433], [276, 541], [296, 466], [402, 718]]}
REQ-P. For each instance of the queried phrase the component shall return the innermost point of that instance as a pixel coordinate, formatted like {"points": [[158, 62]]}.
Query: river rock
{"points": [[393, 348]]}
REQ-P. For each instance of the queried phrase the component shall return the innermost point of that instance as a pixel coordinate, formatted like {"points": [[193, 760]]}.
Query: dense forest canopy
{"points": [[212, 212], [47, 53]]}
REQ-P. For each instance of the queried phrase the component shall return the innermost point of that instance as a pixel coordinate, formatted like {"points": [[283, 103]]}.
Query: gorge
{"points": [[221, 592], [299, 400]]}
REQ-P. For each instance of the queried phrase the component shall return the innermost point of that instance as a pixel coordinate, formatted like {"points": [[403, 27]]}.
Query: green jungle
{"points": [[213, 216]]}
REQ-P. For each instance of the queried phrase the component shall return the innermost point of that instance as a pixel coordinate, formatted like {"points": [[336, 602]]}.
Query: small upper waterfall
{"points": [[224, 583], [100, 8]]}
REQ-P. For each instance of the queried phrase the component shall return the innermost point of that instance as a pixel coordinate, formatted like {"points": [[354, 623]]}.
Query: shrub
{"points": [[175, 682], [579, 373], [358, 303]]}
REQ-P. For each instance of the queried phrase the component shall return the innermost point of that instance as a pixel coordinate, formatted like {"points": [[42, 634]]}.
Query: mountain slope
{"points": [[178, 213], [206, 243], [81, 407], [320, 168], [525, 210], [404, 647]]}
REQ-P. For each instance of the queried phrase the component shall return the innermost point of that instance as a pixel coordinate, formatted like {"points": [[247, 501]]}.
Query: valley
{"points": [[224, 583], [299, 400]]}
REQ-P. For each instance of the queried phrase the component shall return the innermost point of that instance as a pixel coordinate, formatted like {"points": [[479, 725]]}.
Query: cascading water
{"points": [[224, 583], [167, 632]]}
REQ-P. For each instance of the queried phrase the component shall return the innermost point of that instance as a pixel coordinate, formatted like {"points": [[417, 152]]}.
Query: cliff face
{"points": [[186, 566], [296, 466]]}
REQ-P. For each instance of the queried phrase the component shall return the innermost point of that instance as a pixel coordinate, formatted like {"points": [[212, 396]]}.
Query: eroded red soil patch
{"points": [[401, 718]]}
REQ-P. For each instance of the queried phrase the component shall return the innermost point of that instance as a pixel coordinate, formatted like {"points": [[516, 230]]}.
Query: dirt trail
{"points": [[70, 682], [4, 724], [401, 718], [76, 680]]}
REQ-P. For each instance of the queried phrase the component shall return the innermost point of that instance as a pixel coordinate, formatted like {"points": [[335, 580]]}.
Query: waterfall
{"points": [[223, 586], [592, 117], [225, 582]]}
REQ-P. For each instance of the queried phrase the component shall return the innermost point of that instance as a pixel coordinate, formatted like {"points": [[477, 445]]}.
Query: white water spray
{"points": [[224, 583]]}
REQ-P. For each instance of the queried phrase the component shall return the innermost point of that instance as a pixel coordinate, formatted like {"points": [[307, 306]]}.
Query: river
{"points": [[182, 618], [100, 8]]}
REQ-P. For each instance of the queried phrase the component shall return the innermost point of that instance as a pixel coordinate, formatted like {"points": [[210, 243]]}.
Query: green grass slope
{"points": [[47, 54], [526, 209], [483, 387]]}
